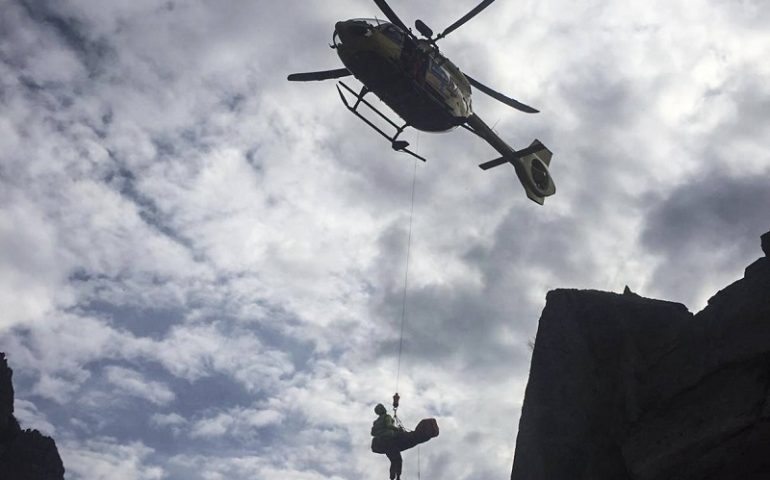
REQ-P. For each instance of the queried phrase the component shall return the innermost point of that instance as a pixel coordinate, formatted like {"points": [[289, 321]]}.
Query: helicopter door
{"points": [[438, 78]]}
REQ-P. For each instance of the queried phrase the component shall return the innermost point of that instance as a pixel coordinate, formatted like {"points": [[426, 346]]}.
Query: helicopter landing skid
{"points": [[395, 143]]}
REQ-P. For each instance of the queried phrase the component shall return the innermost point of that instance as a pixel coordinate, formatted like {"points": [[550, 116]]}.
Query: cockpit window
{"points": [[392, 33], [372, 22]]}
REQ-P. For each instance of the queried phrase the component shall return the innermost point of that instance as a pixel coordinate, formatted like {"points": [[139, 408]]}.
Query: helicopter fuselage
{"points": [[412, 77]]}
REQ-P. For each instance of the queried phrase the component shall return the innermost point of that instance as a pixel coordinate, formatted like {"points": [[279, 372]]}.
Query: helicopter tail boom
{"points": [[535, 148], [531, 163], [531, 166]]}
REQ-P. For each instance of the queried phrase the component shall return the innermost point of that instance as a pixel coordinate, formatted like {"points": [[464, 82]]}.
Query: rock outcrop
{"points": [[629, 388], [24, 454]]}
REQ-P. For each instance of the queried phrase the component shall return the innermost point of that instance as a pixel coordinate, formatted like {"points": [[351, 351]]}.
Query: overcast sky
{"points": [[201, 264]]}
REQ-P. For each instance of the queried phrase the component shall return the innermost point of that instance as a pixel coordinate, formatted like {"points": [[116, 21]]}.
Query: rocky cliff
{"points": [[24, 454], [623, 387]]}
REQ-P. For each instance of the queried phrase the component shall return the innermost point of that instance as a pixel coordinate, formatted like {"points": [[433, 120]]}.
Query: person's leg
{"points": [[399, 463], [395, 459]]}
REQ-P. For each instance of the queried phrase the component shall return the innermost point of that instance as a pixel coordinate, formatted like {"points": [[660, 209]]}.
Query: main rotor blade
{"points": [[391, 15], [500, 97], [317, 76], [481, 6]]}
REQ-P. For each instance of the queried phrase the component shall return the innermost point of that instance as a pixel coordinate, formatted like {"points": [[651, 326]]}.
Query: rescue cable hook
{"points": [[396, 399]]}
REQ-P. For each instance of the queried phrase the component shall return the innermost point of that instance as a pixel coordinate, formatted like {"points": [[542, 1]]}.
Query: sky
{"points": [[202, 265]]}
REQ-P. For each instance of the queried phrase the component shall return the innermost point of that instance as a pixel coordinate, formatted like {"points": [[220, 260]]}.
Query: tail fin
{"points": [[531, 166]]}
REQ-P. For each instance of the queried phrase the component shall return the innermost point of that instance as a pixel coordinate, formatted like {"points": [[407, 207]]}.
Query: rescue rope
{"points": [[396, 397], [406, 279], [418, 462]]}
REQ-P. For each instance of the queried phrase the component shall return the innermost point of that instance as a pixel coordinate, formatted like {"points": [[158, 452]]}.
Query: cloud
{"points": [[104, 458], [198, 351], [168, 420], [236, 422], [30, 278], [29, 416], [222, 468], [707, 228], [133, 383]]}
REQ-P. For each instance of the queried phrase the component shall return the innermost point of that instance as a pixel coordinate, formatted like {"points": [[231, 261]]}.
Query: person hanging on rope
{"points": [[385, 431], [390, 438]]}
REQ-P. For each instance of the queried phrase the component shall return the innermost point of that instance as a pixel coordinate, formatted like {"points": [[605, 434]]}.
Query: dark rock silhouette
{"points": [[624, 387], [24, 454]]}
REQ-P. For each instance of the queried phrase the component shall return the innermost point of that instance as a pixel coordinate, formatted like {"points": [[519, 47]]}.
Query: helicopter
{"points": [[423, 87]]}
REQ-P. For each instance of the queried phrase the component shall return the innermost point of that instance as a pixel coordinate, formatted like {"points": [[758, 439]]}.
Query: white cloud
{"points": [[29, 416], [197, 351], [134, 384], [104, 458], [237, 422], [224, 468], [30, 273], [171, 419]]}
